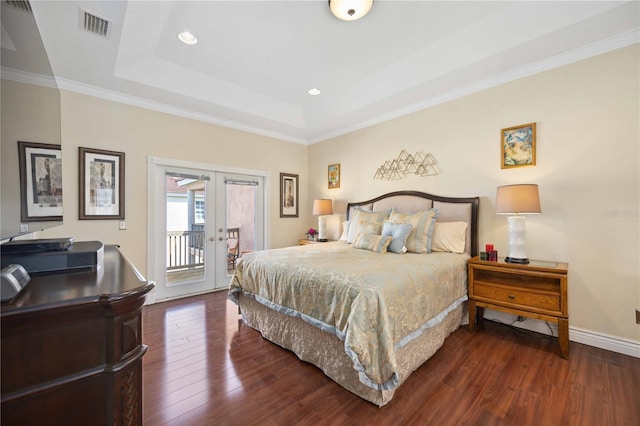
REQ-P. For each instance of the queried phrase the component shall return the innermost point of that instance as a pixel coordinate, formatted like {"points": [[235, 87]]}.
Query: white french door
{"points": [[201, 221]]}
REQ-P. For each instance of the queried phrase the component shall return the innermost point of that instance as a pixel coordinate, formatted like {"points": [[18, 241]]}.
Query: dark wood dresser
{"points": [[72, 347]]}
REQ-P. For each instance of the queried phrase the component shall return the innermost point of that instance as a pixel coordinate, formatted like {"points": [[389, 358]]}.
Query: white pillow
{"points": [[449, 236], [345, 231]]}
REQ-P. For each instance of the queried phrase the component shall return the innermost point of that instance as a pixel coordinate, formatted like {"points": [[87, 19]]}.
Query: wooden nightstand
{"points": [[537, 290], [304, 241]]}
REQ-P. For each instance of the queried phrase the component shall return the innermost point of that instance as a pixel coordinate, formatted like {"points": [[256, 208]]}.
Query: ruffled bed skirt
{"points": [[327, 352]]}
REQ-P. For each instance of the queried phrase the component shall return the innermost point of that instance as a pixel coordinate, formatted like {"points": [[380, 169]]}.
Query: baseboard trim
{"points": [[586, 337], [614, 344]]}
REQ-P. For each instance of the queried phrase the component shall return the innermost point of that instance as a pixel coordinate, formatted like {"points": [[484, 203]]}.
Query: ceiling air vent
{"points": [[20, 4], [94, 24]]}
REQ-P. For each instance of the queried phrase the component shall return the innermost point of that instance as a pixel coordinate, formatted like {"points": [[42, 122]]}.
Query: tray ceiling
{"points": [[256, 60]]}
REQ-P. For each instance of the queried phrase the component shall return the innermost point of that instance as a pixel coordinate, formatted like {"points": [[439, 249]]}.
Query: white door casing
{"points": [[216, 275]]}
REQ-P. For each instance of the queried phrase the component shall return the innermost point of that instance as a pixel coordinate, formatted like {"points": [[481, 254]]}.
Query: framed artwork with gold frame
{"points": [[333, 176], [518, 146]]}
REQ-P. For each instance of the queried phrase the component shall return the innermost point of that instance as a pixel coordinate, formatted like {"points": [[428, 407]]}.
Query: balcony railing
{"points": [[185, 249]]}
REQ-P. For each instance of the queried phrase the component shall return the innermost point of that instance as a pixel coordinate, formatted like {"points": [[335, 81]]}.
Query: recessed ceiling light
{"points": [[314, 92], [187, 38]]}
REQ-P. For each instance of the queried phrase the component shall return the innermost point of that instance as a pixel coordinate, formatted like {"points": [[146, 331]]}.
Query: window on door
{"points": [[185, 231], [199, 210]]}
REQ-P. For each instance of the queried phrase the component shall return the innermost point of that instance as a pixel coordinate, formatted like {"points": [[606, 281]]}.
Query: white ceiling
{"points": [[256, 60]]}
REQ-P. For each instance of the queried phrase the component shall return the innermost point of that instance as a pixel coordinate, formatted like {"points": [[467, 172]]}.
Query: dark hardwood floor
{"points": [[205, 367]]}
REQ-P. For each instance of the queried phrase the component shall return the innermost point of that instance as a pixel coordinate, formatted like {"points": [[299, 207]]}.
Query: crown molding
{"points": [[86, 89], [618, 41], [28, 78]]}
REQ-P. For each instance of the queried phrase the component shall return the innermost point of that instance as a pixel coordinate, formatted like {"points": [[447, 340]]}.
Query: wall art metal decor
{"points": [[518, 146], [418, 164]]}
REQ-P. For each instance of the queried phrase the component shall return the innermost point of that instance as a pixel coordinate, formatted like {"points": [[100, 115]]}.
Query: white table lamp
{"points": [[321, 208], [517, 200]]}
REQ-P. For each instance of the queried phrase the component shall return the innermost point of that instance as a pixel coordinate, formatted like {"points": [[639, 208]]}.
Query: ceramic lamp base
{"points": [[516, 260], [322, 228], [517, 244]]}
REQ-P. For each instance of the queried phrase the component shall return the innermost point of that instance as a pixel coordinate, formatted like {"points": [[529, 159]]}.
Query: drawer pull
{"points": [[511, 296]]}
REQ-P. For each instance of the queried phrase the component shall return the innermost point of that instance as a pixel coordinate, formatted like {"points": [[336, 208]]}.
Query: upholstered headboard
{"points": [[450, 209]]}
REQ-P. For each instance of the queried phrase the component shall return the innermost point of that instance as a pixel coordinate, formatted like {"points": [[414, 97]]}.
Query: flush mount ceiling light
{"points": [[314, 92], [350, 10], [187, 38]]}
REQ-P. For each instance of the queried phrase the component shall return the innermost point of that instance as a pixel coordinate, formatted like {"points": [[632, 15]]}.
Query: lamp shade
{"points": [[322, 207], [518, 199], [350, 10]]}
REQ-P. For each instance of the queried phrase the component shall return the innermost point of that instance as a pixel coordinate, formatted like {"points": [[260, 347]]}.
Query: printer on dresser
{"points": [[71, 349]]}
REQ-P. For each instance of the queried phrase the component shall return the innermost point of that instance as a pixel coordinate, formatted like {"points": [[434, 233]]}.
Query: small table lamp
{"points": [[321, 208], [517, 200]]}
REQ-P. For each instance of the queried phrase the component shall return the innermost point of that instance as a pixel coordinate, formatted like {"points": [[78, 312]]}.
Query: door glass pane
{"points": [[185, 257], [240, 220]]}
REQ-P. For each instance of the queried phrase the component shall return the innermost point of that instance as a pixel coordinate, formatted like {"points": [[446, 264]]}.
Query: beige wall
{"points": [[588, 171], [30, 113], [139, 133], [587, 117]]}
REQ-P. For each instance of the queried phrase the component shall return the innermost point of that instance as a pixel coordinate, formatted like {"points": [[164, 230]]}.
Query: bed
{"points": [[366, 316]]}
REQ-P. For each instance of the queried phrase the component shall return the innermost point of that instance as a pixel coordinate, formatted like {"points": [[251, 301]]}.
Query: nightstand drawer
{"points": [[549, 302]]}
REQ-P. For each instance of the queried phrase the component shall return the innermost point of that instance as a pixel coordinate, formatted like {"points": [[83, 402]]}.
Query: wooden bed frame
{"points": [[285, 330]]}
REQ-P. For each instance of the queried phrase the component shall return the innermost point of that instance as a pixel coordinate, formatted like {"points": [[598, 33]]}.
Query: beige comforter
{"points": [[376, 303]]}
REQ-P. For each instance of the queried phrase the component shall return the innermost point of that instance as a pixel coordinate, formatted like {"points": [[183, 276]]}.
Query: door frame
{"points": [[154, 221]]}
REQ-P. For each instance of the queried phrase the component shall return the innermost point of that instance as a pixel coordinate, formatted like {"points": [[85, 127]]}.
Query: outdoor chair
{"points": [[233, 247]]}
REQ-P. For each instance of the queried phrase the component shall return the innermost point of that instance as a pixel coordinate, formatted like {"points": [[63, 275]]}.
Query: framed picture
{"points": [[333, 175], [288, 195], [40, 181], [101, 184], [518, 146]]}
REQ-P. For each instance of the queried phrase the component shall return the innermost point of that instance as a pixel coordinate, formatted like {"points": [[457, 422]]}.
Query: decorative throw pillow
{"points": [[363, 227], [399, 233], [419, 239], [360, 215], [372, 242], [449, 236]]}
